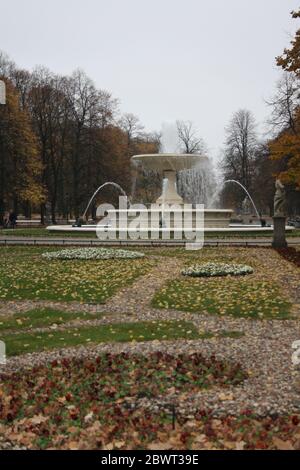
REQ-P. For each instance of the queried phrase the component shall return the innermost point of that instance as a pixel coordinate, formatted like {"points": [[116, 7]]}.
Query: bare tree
{"points": [[240, 148], [90, 109], [131, 125], [189, 141], [51, 115], [7, 66], [284, 102]]}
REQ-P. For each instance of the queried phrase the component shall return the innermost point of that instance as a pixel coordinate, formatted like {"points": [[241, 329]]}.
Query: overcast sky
{"points": [[197, 60]]}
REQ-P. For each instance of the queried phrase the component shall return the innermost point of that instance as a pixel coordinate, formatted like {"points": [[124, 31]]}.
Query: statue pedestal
{"points": [[279, 240]]}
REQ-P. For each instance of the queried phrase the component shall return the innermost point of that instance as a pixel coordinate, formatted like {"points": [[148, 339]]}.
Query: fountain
{"points": [[168, 165], [217, 195], [248, 194], [109, 183], [187, 174]]}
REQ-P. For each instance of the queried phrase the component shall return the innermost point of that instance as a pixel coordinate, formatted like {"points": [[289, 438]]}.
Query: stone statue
{"points": [[246, 206], [279, 200]]}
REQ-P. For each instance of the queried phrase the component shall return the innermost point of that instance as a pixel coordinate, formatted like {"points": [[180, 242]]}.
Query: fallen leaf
{"points": [[240, 445], [282, 445], [225, 397], [38, 419], [159, 446]]}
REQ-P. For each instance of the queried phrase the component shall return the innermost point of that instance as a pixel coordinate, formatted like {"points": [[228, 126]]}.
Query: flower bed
{"points": [[99, 400], [217, 269], [92, 254]]}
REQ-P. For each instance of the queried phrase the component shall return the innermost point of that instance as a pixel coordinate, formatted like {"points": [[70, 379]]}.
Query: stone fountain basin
{"points": [[216, 218], [162, 162]]}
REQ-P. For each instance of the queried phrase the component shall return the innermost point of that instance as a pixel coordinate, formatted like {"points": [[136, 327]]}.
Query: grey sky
{"points": [[164, 59]]}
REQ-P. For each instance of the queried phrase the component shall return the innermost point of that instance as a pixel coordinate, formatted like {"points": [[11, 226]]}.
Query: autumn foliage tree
{"points": [[78, 141], [20, 165], [285, 147], [290, 59]]}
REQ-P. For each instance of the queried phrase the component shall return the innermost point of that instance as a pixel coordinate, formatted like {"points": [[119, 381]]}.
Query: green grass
{"points": [[42, 232], [43, 317], [239, 297], [231, 334], [21, 343], [254, 234], [24, 274]]}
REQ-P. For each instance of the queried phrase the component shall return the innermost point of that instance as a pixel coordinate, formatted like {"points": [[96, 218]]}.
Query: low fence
{"points": [[130, 243]]}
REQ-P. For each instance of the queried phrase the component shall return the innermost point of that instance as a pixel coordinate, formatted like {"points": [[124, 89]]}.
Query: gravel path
{"points": [[271, 387]]}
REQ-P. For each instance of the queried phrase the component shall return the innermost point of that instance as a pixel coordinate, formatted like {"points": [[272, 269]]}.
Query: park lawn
{"points": [[239, 297], [42, 318], [24, 274], [42, 232], [26, 342], [18, 331]]}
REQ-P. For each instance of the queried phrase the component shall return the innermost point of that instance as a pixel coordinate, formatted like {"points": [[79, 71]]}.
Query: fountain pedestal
{"points": [[171, 195], [167, 165]]}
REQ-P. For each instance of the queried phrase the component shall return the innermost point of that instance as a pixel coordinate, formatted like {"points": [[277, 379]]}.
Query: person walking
{"points": [[12, 219]]}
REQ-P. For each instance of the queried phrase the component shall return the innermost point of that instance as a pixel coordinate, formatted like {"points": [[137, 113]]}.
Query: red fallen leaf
{"points": [[90, 366], [184, 437], [209, 431], [74, 413], [69, 396], [263, 435], [58, 419], [65, 362], [246, 412], [295, 420], [261, 445]]}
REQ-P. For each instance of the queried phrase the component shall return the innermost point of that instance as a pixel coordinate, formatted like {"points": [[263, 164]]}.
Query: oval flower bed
{"points": [[92, 253], [217, 269]]}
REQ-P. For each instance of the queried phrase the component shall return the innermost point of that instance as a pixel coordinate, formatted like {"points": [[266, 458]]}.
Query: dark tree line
{"points": [[76, 141]]}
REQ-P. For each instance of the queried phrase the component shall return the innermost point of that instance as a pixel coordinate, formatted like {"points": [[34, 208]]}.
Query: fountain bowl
{"points": [[162, 162], [167, 165]]}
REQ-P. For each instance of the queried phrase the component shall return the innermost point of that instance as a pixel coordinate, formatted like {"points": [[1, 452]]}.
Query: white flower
{"points": [[217, 269], [92, 254]]}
